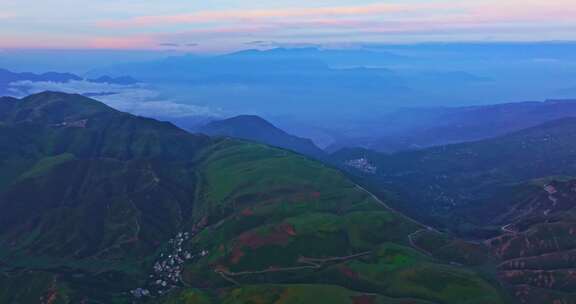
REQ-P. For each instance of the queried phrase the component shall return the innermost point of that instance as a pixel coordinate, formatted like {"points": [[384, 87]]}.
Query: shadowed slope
{"points": [[257, 129]]}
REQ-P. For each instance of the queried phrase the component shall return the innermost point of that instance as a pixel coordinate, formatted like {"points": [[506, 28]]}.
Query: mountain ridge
{"points": [[8, 79], [255, 128], [415, 129]]}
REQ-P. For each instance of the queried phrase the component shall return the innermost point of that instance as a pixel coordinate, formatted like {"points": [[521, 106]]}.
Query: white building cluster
{"points": [[167, 270]]}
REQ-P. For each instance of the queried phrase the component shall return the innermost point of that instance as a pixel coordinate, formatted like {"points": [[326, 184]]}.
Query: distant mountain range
{"points": [[360, 83], [7, 78], [413, 129], [331, 57], [287, 80], [99, 206], [255, 128], [408, 129], [121, 80]]}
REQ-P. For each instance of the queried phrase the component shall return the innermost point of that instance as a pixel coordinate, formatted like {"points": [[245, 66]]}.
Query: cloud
{"points": [[509, 11], [178, 45], [7, 15], [386, 21], [247, 15], [126, 42], [136, 99], [276, 44], [260, 42], [170, 44], [413, 21]]}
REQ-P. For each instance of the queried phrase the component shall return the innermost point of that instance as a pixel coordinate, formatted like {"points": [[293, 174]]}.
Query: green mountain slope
{"points": [[317, 229], [257, 129], [434, 182], [100, 206], [514, 195]]}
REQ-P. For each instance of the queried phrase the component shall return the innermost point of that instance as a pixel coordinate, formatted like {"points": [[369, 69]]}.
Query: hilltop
{"points": [[257, 129]]}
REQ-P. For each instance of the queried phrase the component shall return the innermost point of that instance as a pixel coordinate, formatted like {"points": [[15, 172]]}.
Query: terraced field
{"points": [[538, 248]]}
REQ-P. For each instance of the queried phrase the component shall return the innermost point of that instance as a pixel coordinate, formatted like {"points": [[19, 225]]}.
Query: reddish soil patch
{"points": [[221, 268], [237, 254], [289, 229], [51, 297], [247, 212], [279, 235], [315, 194], [349, 272], [364, 299], [201, 224]]}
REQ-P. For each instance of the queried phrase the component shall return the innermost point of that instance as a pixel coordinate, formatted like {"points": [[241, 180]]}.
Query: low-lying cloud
{"points": [[138, 99]]}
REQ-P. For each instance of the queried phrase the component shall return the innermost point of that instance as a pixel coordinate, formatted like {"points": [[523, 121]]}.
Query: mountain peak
{"points": [[47, 97], [256, 128], [251, 119], [276, 51], [56, 107], [251, 127]]}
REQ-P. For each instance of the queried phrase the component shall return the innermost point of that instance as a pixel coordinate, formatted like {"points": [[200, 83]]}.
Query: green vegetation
{"points": [[513, 196], [96, 197], [438, 184], [285, 294], [34, 287], [44, 165], [285, 225]]}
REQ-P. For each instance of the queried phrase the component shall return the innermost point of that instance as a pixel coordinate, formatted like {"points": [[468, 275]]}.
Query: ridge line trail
{"points": [[506, 229], [313, 263], [383, 204], [411, 235]]}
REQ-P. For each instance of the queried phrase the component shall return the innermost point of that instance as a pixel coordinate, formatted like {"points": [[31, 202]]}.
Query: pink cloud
{"points": [[7, 15], [436, 19], [254, 15], [130, 42], [524, 10], [444, 12]]}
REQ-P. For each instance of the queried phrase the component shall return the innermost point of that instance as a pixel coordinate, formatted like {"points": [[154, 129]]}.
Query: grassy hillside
{"points": [[285, 219], [104, 207]]}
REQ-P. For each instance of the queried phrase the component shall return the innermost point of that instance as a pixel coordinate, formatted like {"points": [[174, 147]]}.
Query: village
{"points": [[362, 164], [167, 270]]}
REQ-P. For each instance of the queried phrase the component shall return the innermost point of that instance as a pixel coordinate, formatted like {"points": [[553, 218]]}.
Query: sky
{"points": [[224, 25]]}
